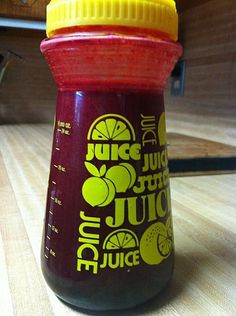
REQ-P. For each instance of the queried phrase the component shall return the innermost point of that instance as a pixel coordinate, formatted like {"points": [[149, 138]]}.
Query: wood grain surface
{"points": [[27, 90], [204, 210], [183, 5], [28, 9], [196, 156], [183, 146], [208, 108]]}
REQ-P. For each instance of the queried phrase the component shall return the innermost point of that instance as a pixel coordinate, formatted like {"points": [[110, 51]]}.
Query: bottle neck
{"points": [[107, 30], [103, 59]]}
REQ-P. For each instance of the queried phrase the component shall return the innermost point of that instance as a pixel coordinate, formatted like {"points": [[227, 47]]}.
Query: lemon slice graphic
{"points": [[120, 239], [111, 127]]}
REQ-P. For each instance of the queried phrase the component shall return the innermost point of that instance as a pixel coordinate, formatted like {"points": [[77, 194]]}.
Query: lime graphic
{"points": [[98, 191], [162, 129], [120, 239], [111, 127], [123, 176], [169, 226], [155, 244], [164, 245]]}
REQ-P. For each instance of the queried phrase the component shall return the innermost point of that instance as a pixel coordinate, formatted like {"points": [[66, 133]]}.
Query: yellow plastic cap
{"points": [[160, 15]]}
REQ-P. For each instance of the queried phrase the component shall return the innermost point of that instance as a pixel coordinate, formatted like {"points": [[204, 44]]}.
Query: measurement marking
{"points": [[52, 253], [64, 131], [57, 148], [49, 225], [48, 238], [55, 229], [45, 256], [53, 182], [51, 212], [56, 200], [60, 168], [47, 248]]}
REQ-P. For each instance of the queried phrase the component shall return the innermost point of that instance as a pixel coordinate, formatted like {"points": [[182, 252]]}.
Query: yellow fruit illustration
{"points": [[111, 127], [155, 244], [132, 172], [162, 129], [164, 245], [121, 239], [169, 226], [122, 176], [98, 191]]}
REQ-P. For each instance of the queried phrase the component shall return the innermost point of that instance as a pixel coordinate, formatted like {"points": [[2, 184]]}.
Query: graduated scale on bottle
{"points": [[58, 171]]}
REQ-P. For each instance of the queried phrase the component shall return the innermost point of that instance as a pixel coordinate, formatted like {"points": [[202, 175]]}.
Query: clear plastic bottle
{"points": [[108, 241]]}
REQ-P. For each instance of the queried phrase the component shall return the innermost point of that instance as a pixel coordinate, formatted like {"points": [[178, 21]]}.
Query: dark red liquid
{"points": [[107, 242], [110, 288]]}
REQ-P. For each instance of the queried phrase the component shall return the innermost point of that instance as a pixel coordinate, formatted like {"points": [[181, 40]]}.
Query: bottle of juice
{"points": [[108, 240]]}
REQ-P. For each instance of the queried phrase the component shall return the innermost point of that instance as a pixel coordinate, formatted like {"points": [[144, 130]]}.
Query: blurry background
{"points": [[206, 108]]}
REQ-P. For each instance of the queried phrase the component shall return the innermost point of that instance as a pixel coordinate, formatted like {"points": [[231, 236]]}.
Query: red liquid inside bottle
{"points": [[108, 241]]}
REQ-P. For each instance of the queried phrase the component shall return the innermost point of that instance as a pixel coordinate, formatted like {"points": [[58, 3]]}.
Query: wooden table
{"points": [[204, 210]]}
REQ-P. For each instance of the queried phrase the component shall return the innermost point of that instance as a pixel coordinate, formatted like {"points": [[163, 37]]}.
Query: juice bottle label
{"points": [[132, 197], [109, 194]]}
